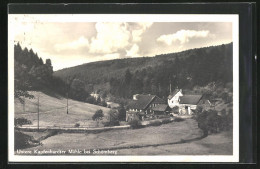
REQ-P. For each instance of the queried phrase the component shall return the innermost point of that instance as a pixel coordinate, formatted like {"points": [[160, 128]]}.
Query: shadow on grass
{"points": [[51, 93], [23, 140]]}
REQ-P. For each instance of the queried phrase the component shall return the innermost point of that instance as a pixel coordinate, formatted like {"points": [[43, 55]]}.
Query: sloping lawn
{"points": [[53, 111]]}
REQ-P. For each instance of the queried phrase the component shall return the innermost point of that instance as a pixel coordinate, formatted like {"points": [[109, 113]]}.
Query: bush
{"points": [[155, 123], [77, 125], [227, 121], [91, 100], [113, 118], [98, 115], [226, 98], [209, 121], [22, 140], [21, 121], [135, 124], [103, 103], [198, 109], [165, 121], [111, 123], [175, 109], [177, 119], [122, 113]]}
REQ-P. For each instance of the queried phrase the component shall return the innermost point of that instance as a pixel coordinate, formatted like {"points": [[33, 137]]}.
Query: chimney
{"points": [[135, 97]]}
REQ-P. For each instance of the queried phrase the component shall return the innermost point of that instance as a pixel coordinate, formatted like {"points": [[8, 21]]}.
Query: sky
{"points": [[73, 43]]}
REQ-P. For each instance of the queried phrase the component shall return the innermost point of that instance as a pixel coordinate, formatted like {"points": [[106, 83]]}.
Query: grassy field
{"points": [[215, 144], [124, 139], [53, 111], [176, 138]]}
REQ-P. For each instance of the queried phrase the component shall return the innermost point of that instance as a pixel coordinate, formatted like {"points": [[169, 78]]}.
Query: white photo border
{"points": [[234, 18]]}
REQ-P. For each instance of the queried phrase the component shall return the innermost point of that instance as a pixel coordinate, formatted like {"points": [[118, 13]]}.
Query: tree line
{"points": [[198, 67], [122, 78], [32, 74]]}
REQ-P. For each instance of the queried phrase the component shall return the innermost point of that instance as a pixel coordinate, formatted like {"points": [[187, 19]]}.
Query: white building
{"points": [[185, 103], [173, 98]]}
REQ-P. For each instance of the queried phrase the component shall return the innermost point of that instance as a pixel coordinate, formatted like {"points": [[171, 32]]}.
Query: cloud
{"points": [[81, 42], [142, 28], [110, 37], [133, 52], [183, 36], [23, 28]]}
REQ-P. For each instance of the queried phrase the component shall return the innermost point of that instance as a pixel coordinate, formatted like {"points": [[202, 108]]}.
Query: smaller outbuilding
{"points": [[161, 110], [188, 103]]}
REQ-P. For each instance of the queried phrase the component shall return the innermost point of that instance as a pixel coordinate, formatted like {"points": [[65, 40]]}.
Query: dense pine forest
{"points": [[125, 77], [121, 78], [31, 73]]}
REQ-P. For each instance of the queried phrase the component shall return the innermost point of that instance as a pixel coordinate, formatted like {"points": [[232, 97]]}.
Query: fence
{"points": [[71, 129]]}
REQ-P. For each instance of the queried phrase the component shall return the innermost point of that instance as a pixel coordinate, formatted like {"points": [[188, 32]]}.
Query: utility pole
{"points": [[67, 103], [38, 112], [170, 86], [24, 104], [159, 88]]}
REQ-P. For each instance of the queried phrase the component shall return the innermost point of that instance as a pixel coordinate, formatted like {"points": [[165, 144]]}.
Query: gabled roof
{"points": [[173, 93], [160, 107], [142, 102], [135, 112], [158, 100], [190, 99]]}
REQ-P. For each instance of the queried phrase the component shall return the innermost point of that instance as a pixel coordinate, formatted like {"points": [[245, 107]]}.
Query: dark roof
{"points": [[158, 100], [160, 107], [190, 99], [142, 102], [173, 93]]}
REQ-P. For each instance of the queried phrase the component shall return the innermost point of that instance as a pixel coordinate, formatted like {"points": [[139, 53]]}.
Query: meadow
{"points": [[53, 111]]}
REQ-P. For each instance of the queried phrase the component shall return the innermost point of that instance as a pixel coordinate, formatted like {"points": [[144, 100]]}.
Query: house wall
{"points": [[174, 101], [188, 111], [192, 107], [131, 116]]}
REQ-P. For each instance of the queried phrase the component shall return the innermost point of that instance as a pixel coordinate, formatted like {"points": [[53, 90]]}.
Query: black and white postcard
{"points": [[123, 88]]}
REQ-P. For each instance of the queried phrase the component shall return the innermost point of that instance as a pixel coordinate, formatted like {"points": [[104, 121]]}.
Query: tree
{"points": [[103, 103], [128, 77], [121, 113], [78, 90], [98, 116], [113, 118], [21, 83], [91, 100], [40, 61], [49, 66], [98, 100]]}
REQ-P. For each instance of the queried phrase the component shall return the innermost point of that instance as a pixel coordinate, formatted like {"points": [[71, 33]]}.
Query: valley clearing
{"points": [[176, 138]]}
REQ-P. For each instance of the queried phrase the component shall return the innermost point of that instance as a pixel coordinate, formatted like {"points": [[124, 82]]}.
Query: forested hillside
{"points": [[125, 77], [31, 73]]}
